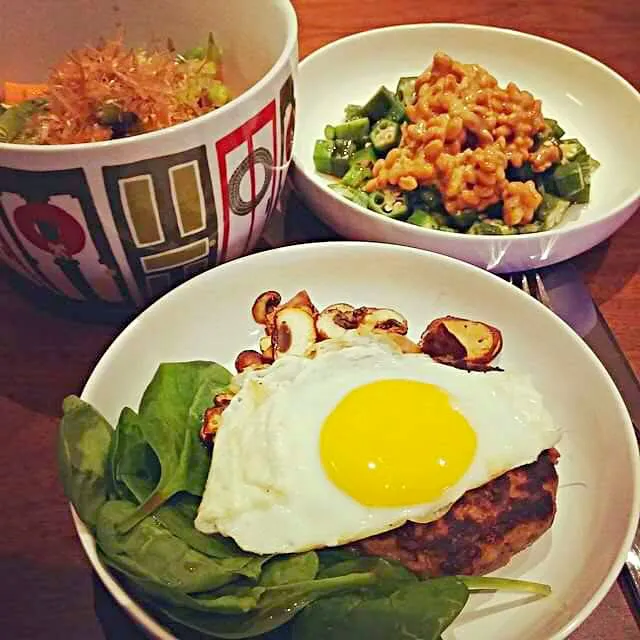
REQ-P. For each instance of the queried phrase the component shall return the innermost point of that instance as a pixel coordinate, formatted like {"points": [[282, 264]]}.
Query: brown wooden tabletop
{"points": [[46, 586]]}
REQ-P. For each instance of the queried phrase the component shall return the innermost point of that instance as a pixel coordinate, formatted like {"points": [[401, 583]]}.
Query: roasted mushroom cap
{"points": [[463, 343], [248, 359], [264, 305]]}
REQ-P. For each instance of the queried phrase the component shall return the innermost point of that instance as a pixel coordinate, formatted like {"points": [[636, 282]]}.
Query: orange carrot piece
{"points": [[15, 92]]}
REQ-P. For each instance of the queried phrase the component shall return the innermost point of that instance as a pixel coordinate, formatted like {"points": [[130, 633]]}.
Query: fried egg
{"points": [[358, 440]]}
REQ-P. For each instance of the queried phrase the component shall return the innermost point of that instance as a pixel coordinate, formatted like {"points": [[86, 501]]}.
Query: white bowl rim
{"points": [[137, 612], [464, 237], [245, 96]]}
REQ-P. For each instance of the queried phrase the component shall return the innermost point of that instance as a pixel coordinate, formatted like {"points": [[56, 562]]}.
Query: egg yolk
{"points": [[391, 443]]}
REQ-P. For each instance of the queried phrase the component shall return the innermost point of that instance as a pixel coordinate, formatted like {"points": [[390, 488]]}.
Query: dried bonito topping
{"points": [[462, 343]]}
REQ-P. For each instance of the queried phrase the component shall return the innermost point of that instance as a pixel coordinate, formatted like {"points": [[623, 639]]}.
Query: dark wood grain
{"points": [[46, 587]]}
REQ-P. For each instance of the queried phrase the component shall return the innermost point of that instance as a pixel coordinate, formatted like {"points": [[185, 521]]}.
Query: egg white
{"points": [[267, 488]]}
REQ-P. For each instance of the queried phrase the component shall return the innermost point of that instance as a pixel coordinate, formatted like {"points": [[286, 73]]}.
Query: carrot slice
{"points": [[15, 92]]}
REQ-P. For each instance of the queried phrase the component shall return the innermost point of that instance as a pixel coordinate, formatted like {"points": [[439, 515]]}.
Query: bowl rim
{"points": [[465, 237], [289, 46], [147, 619]]}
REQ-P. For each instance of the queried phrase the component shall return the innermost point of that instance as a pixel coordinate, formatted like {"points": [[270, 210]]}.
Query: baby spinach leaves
{"points": [[151, 551], [83, 446], [169, 419], [419, 610]]}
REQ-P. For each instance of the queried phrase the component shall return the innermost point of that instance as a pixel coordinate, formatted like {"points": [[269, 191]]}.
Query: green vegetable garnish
{"points": [[14, 119]]}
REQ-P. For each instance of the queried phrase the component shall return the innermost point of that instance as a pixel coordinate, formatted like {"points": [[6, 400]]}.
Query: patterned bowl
{"points": [[118, 223]]}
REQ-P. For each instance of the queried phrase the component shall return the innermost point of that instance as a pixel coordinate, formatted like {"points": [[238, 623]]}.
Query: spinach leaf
{"points": [[152, 553], [169, 418], [333, 555], [84, 439], [287, 569], [389, 574], [231, 601], [178, 516], [133, 465], [416, 610], [276, 606], [135, 473]]}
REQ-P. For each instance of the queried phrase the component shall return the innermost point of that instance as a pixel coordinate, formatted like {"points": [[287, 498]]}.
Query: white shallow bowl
{"points": [[590, 101], [209, 318]]}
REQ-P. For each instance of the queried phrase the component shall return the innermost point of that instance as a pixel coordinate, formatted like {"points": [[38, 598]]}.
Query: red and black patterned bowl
{"points": [[118, 223]]}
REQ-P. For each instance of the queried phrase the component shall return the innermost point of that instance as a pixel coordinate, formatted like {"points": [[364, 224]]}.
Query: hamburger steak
{"points": [[483, 530]]}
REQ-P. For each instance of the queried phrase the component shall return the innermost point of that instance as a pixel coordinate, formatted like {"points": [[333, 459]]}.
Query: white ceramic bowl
{"points": [[589, 100], [598, 497], [117, 223]]}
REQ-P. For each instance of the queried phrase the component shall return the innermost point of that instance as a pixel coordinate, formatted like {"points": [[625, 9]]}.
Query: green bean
{"points": [[356, 175], [355, 129], [569, 179], [330, 132], [353, 195], [385, 135], [380, 104], [390, 203], [353, 111], [552, 210], [491, 228], [365, 157], [571, 149]]}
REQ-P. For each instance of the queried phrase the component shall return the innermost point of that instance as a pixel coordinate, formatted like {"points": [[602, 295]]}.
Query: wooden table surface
{"points": [[46, 587]]}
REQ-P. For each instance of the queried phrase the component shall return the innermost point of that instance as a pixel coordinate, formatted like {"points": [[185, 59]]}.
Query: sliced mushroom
{"points": [[264, 305], [210, 424], [387, 320], [248, 359], [335, 320], [300, 301], [466, 344], [294, 331]]}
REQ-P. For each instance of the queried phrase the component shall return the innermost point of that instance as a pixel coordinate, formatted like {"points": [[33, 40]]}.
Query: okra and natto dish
{"points": [[453, 151]]}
